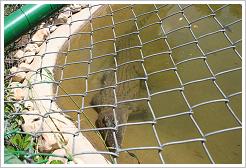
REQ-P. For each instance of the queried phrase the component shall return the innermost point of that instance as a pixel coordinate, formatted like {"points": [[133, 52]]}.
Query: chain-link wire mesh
{"points": [[155, 83]]}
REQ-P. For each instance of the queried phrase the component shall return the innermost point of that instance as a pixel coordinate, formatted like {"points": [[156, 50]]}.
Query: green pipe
{"points": [[24, 19]]}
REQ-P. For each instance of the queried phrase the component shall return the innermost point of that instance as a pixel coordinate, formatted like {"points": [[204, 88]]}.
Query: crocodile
{"points": [[123, 90]]}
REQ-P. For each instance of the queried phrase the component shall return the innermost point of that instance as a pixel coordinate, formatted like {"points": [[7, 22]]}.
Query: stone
{"points": [[18, 107], [40, 36], [17, 91], [51, 19], [25, 67], [18, 94], [13, 69], [31, 122], [84, 6], [75, 8], [15, 84], [19, 54], [47, 141], [29, 60], [28, 105], [17, 76], [29, 56], [78, 160], [42, 25], [53, 28], [67, 11], [32, 48], [62, 18], [59, 152]]}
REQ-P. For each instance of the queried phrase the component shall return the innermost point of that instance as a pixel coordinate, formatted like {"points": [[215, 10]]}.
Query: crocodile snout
{"points": [[106, 120]]}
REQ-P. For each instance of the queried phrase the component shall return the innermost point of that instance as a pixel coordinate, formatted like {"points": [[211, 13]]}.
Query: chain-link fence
{"points": [[144, 83]]}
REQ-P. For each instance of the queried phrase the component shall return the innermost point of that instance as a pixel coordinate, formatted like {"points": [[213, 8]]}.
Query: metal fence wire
{"points": [[172, 96]]}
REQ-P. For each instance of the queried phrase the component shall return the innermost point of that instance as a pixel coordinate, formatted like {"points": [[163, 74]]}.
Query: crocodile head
{"points": [[105, 120]]}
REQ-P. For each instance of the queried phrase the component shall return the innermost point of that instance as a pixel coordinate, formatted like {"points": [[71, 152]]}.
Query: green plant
{"points": [[16, 144], [9, 8], [56, 162], [20, 142], [10, 158], [40, 159]]}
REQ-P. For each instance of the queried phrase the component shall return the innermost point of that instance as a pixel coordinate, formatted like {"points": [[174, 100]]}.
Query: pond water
{"points": [[78, 60]]}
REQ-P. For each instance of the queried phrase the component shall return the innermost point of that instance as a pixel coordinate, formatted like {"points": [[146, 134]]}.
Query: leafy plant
{"points": [[19, 145], [21, 142], [56, 162], [10, 158], [9, 8], [40, 159]]}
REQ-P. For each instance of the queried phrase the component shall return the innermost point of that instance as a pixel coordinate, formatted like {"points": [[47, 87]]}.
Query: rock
{"points": [[40, 36], [18, 107], [15, 84], [51, 19], [31, 122], [59, 152], [19, 54], [25, 67], [78, 160], [29, 56], [67, 11], [17, 76], [84, 6], [32, 48], [42, 25], [53, 28], [13, 69], [62, 18], [28, 105], [47, 142], [29, 60], [17, 93], [75, 8]]}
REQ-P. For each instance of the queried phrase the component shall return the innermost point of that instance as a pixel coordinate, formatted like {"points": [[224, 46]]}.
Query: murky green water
{"points": [[224, 148]]}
